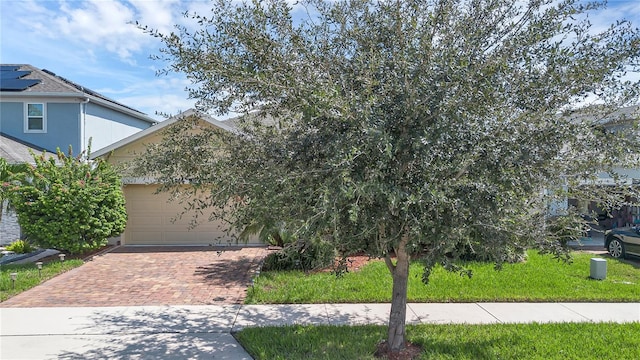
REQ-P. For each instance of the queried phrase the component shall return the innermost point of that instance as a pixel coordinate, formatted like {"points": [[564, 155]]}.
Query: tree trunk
{"points": [[398, 315]]}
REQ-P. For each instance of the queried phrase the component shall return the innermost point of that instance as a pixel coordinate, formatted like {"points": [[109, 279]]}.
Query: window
{"points": [[36, 120]]}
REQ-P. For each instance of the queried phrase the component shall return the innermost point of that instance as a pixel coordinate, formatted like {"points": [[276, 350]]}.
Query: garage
{"points": [[152, 219]]}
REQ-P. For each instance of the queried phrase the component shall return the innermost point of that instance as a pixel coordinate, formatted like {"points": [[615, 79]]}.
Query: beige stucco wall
{"points": [[153, 220], [128, 152]]}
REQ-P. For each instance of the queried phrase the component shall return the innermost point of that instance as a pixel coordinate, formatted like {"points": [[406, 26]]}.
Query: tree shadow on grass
{"points": [[348, 342]]}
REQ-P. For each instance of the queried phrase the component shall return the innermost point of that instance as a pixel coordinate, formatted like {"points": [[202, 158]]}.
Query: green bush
{"points": [[20, 247], [301, 255], [68, 203]]}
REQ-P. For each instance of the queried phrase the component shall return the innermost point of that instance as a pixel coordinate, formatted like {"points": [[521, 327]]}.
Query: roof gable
{"points": [[155, 130]]}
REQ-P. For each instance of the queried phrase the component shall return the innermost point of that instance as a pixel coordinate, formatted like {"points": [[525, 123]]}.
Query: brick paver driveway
{"points": [[129, 276]]}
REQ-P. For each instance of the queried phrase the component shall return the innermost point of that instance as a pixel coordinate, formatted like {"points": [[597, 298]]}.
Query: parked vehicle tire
{"points": [[616, 248]]}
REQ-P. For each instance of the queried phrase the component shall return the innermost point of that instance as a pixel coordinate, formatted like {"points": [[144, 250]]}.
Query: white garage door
{"points": [[152, 221]]}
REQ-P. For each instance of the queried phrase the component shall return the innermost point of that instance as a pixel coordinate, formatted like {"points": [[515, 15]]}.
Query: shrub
{"points": [[467, 252], [69, 203], [269, 231], [301, 255], [20, 247]]}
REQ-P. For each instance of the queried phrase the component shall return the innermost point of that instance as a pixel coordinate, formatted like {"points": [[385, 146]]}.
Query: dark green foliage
{"points": [[301, 255], [440, 122], [269, 232], [69, 203], [4, 177], [568, 227]]}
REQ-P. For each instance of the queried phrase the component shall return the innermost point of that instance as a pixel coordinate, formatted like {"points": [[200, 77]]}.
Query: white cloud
{"points": [[97, 26], [161, 94], [156, 85], [106, 24], [153, 103], [614, 11], [159, 15]]}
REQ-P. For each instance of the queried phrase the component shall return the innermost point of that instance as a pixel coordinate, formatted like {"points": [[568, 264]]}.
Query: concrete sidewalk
{"points": [[188, 332]]}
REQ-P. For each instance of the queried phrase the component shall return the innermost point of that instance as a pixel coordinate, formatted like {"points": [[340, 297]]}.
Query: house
{"points": [[629, 214], [42, 111], [151, 217], [40, 108]]}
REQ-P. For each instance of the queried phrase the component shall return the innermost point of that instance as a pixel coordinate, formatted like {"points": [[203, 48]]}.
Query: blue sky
{"points": [[93, 43]]}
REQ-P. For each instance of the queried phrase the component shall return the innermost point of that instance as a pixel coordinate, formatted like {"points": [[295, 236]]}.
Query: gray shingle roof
{"points": [[52, 84], [49, 83], [17, 152]]}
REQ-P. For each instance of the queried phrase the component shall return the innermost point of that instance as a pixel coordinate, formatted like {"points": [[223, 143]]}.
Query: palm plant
{"points": [[268, 231]]}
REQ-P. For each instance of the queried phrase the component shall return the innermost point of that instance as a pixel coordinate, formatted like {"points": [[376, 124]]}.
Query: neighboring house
{"points": [[629, 214], [151, 217], [49, 111], [42, 111]]}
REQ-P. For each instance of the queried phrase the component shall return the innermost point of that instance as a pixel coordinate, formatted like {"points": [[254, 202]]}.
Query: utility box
{"points": [[598, 268]]}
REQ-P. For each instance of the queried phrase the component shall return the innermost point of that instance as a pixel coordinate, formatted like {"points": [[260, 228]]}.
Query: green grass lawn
{"points": [[540, 278], [497, 341], [28, 276]]}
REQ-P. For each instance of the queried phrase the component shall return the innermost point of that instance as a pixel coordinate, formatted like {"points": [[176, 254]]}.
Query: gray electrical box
{"points": [[598, 268]]}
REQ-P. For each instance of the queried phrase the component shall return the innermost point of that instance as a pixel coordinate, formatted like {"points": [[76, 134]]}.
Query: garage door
{"points": [[152, 221]]}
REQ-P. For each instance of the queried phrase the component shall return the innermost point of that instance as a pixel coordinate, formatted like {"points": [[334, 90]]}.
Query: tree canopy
{"points": [[413, 129]]}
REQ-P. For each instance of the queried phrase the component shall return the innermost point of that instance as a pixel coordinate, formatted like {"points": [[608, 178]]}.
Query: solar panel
{"points": [[9, 67], [16, 84], [13, 74]]}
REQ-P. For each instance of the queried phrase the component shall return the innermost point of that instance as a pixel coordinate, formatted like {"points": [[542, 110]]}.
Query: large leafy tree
{"points": [[67, 202], [405, 129]]}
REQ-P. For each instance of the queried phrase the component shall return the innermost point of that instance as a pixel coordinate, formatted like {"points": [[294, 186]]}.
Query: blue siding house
{"points": [[42, 111], [40, 108]]}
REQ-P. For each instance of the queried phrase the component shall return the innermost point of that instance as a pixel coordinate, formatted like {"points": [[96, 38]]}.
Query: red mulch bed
{"points": [[409, 352], [354, 263]]}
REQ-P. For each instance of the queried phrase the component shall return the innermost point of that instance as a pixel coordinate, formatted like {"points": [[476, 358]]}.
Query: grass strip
{"points": [[539, 279], [28, 275], [495, 341]]}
